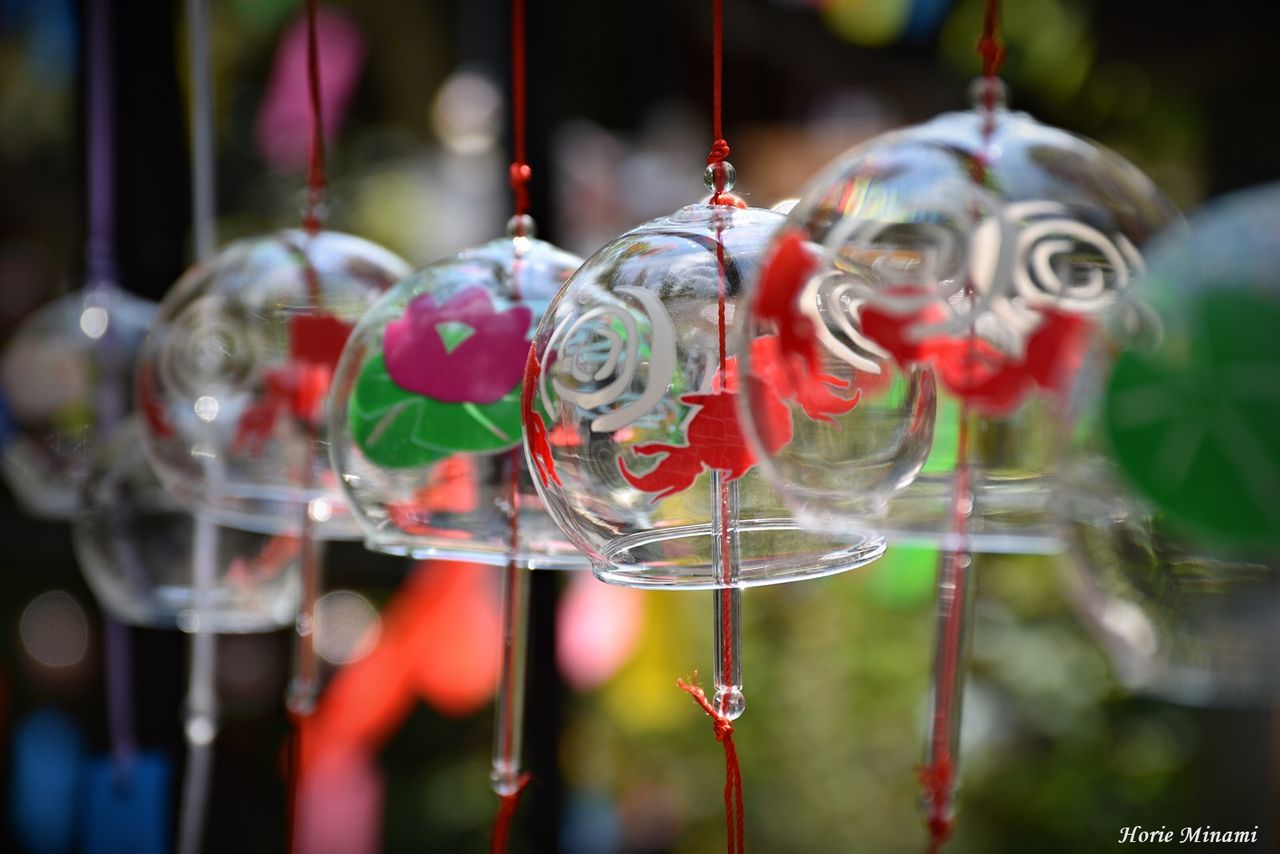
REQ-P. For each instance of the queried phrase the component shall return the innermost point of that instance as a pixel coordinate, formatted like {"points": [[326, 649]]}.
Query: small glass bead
{"points": [[730, 702], [723, 170], [522, 225], [980, 86]]}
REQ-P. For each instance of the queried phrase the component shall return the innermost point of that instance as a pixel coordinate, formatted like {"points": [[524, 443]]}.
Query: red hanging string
{"points": [[720, 148], [938, 779], [990, 49], [519, 176], [316, 180], [722, 725], [723, 728], [520, 171], [506, 814]]}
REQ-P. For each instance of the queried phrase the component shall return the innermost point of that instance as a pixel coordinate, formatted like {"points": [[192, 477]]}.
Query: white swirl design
{"points": [[207, 348], [593, 351], [1021, 258]]}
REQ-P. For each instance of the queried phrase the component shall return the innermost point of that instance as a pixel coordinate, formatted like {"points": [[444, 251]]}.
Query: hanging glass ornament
{"points": [[426, 407], [232, 380], [982, 246], [64, 379], [631, 412], [1175, 476], [134, 543]]}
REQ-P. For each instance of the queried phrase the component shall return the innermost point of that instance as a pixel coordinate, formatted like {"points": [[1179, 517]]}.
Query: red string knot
{"points": [[519, 175], [992, 53], [719, 152]]}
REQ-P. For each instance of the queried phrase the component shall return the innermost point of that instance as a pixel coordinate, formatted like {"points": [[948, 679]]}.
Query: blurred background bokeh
{"points": [[1059, 754]]}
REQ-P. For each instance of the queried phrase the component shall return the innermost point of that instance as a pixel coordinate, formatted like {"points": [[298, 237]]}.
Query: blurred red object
{"points": [[439, 643]]}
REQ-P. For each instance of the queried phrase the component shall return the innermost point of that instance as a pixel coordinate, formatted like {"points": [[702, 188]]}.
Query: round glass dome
{"points": [[135, 543], [981, 252], [425, 412], [64, 380], [1175, 486], [232, 380], [631, 421]]}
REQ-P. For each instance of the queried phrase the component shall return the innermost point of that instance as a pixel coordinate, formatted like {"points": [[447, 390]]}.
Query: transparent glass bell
{"points": [[64, 378], [134, 544], [631, 423], [1174, 486], [232, 380], [425, 413], [982, 247]]}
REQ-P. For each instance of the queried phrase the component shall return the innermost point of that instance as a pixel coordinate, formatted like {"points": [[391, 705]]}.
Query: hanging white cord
{"points": [[201, 725]]}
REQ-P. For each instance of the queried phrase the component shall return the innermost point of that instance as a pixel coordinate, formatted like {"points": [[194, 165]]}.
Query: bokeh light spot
{"points": [[54, 629], [347, 627]]}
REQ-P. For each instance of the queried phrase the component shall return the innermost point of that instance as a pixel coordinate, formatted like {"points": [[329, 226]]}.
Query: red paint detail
{"points": [[452, 489], [535, 429], [317, 338], [993, 382], [151, 407], [278, 553], [714, 437], [297, 388], [723, 729], [782, 278]]}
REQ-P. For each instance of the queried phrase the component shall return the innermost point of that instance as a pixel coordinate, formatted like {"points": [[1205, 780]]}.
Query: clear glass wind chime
{"points": [[149, 562], [64, 389], [1174, 495], [631, 423], [231, 384], [984, 248], [425, 421]]}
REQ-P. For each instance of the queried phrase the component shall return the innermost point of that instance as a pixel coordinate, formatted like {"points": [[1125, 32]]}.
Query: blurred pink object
{"points": [[599, 625], [341, 805], [283, 129]]}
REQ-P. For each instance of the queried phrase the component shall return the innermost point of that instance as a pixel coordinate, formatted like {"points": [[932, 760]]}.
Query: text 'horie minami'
{"points": [[1205, 833]]}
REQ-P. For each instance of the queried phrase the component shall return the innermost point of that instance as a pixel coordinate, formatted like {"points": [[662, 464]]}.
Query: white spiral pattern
{"points": [[207, 349], [1021, 259], [603, 363]]}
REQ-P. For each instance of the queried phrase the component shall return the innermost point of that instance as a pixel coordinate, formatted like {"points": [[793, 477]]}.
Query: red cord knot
{"points": [[519, 175], [992, 53], [937, 782], [719, 152], [723, 728]]}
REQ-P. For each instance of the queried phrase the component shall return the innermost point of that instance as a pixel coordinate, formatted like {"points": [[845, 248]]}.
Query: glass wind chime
{"points": [[631, 424], [152, 564], [64, 390], [983, 248], [1175, 487], [425, 422], [231, 384]]}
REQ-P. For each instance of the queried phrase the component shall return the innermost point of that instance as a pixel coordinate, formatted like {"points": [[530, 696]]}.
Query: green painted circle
{"points": [[1200, 434], [396, 428]]}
